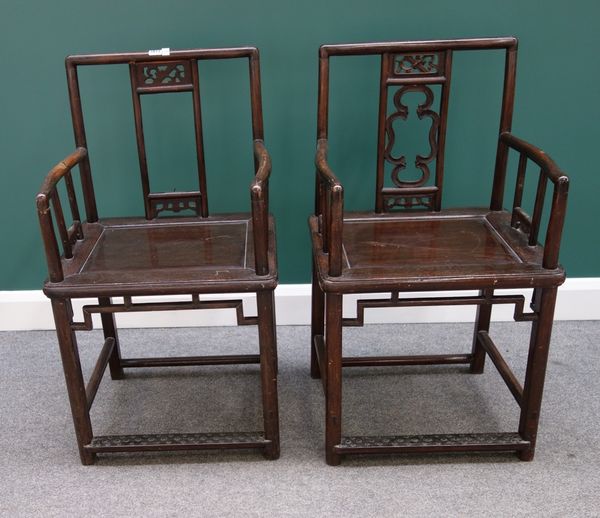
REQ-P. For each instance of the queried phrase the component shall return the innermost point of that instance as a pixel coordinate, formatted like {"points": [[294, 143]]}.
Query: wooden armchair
{"points": [[410, 244], [193, 255]]}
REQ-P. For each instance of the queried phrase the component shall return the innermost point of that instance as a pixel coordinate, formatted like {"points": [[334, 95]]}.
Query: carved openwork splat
{"points": [[163, 74], [154, 77], [421, 161], [175, 206], [407, 202], [402, 73], [174, 202], [416, 64]]}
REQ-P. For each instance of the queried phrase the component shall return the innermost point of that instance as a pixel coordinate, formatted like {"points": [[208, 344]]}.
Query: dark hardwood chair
{"points": [[193, 255], [410, 244]]}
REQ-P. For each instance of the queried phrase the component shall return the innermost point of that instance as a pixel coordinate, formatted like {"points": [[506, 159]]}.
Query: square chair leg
{"points": [[317, 323], [541, 331], [268, 370], [333, 392], [482, 323], [69, 353], [109, 328]]}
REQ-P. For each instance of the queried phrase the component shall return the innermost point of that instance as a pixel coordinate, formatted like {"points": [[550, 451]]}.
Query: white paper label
{"points": [[165, 51]]}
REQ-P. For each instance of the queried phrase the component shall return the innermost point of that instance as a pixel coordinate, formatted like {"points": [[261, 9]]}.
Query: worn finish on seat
{"points": [[410, 244], [410, 251], [187, 255], [127, 257]]}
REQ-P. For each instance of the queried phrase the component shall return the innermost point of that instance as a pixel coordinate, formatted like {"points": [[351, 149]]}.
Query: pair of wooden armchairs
{"points": [[407, 244]]}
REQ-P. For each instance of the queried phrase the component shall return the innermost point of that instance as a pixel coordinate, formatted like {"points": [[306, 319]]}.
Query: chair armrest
{"points": [[329, 207], [259, 195], [55, 175], [535, 154], [548, 171], [48, 202], [263, 164], [323, 169]]}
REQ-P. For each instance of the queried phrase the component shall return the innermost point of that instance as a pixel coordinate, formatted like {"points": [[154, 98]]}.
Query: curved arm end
{"points": [[42, 203], [263, 162], [322, 165], [60, 169]]}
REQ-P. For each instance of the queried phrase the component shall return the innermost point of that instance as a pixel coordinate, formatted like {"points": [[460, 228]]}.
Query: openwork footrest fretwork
{"points": [[177, 441], [467, 442]]}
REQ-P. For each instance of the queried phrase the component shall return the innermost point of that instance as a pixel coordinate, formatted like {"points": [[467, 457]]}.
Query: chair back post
{"points": [[381, 132], [87, 185], [140, 141], [256, 96], [322, 123], [200, 160], [508, 101], [329, 193], [323, 95], [259, 190]]}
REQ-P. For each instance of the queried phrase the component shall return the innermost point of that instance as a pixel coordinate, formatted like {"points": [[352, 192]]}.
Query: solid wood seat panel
{"points": [[130, 248], [176, 255], [407, 244], [412, 251]]}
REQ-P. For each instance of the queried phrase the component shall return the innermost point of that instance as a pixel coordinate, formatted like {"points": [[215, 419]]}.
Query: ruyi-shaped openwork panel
{"points": [[424, 73]]}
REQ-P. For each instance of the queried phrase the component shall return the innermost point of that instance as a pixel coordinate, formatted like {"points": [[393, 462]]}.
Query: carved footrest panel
{"points": [[433, 443], [177, 441]]}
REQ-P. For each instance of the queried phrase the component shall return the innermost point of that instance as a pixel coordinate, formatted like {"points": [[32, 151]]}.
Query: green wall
{"points": [[556, 108]]}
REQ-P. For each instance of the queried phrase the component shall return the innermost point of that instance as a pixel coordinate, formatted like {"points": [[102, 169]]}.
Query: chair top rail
{"points": [[172, 55], [351, 49]]}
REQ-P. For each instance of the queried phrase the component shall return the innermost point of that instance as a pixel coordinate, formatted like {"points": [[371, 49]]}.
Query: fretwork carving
{"points": [[416, 64], [195, 303], [519, 314], [163, 74]]}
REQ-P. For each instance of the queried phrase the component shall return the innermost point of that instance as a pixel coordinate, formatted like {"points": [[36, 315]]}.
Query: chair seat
{"points": [[450, 249], [135, 256]]}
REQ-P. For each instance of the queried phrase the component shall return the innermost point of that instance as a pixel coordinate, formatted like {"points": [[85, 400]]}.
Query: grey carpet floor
{"points": [[41, 475]]}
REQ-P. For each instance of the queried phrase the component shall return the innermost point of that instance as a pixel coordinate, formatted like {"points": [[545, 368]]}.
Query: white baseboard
{"points": [[578, 299]]}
